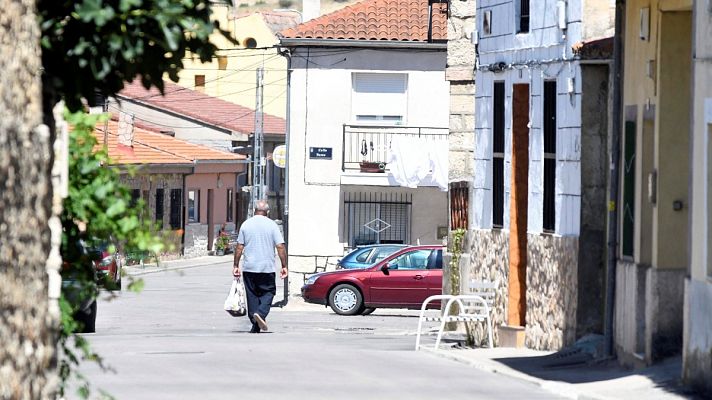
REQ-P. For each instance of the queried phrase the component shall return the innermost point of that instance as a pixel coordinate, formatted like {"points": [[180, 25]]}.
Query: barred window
{"points": [[498, 156], [549, 156], [377, 218]]}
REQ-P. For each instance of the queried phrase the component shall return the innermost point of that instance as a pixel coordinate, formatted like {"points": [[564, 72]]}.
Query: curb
{"points": [[152, 269], [562, 389]]}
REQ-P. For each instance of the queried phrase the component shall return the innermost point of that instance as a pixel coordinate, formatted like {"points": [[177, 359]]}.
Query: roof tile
{"points": [[156, 148], [376, 20], [200, 106]]}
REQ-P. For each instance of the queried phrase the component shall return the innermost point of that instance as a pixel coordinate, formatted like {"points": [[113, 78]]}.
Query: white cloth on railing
{"points": [[439, 166], [408, 161], [411, 160]]}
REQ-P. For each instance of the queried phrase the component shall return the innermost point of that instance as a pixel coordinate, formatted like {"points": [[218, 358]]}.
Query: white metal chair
{"points": [[474, 306]]}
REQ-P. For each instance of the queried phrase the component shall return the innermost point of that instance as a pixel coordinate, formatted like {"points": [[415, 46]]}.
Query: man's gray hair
{"points": [[262, 205]]}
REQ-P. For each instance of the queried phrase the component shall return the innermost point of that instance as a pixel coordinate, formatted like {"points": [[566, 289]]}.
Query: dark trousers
{"points": [[259, 290]]}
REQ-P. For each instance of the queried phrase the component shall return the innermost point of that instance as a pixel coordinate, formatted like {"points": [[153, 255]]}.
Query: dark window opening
{"points": [[230, 205], [176, 208], [159, 208], [628, 209], [523, 16], [498, 156], [549, 156], [135, 196]]}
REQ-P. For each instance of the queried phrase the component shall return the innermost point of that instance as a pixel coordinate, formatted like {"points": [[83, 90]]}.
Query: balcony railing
{"points": [[367, 146]]}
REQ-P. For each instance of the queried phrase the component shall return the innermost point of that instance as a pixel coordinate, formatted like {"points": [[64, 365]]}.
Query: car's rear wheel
{"points": [[367, 311], [345, 299]]}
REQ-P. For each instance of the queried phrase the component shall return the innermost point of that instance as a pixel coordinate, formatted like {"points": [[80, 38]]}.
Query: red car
{"points": [[401, 280]]}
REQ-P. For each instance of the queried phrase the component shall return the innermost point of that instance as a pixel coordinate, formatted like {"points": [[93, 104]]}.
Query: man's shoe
{"points": [[255, 328], [260, 321]]}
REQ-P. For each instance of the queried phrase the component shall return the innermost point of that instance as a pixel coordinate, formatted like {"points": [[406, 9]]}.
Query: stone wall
{"points": [[460, 73], [552, 264], [489, 260]]}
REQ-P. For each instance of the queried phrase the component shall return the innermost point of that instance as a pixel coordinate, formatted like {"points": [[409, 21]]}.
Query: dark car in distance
{"points": [[366, 256], [402, 280]]}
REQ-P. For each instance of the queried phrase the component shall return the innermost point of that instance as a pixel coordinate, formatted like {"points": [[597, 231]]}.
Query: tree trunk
{"points": [[27, 353]]}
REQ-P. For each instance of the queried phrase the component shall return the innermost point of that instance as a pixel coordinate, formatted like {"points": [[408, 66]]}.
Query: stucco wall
{"points": [[196, 233], [697, 337], [321, 105]]}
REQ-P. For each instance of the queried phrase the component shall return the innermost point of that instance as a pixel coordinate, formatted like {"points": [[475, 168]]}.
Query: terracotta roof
{"points": [[201, 107], [389, 20], [157, 148], [596, 49]]}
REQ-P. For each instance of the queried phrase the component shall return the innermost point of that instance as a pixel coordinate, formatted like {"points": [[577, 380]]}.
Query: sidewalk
{"points": [[172, 265], [590, 381]]}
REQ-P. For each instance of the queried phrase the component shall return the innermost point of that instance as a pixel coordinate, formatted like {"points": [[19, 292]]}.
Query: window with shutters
{"points": [[379, 98], [377, 218], [498, 156], [549, 156], [176, 208]]}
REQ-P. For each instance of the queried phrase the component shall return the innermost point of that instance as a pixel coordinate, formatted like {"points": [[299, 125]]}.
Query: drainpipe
{"points": [[613, 178]]}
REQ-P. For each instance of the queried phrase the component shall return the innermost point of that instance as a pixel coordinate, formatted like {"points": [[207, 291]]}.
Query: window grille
{"points": [[176, 208], [377, 218], [498, 156], [549, 213], [459, 204]]}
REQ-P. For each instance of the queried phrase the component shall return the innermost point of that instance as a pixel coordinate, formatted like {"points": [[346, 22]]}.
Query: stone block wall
{"points": [[196, 240], [489, 260], [552, 266]]}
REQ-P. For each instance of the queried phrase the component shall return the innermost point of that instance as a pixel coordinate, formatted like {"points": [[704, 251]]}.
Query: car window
{"points": [[382, 252], [416, 259], [436, 260], [363, 256]]}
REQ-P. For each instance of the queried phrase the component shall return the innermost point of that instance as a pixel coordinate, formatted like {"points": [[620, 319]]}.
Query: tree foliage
{"points": [[98, 207], [94, 46]]}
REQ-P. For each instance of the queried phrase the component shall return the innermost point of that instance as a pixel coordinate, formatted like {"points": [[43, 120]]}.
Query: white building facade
{"points": [[344, 103], [538, 193]]}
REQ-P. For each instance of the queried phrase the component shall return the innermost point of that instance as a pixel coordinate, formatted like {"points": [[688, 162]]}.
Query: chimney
{"points": [[310, 9], [126, 129]]}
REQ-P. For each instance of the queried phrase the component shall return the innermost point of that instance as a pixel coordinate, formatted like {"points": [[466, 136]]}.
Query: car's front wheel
{"points": [[345, 299]]}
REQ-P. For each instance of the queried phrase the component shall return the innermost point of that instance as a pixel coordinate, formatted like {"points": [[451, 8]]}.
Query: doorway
{"points": [[518, 206]]}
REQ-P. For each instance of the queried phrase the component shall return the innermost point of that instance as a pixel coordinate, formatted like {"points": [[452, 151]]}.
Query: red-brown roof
{"points": [[157, 148], [389, 20], [201, 107]]}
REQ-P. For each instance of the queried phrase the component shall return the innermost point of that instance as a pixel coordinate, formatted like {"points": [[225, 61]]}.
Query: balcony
{"points": [[366, 147], [366, 150]]}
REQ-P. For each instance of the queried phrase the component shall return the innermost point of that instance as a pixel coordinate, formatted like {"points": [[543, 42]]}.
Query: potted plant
{"points": [[220, 245]]}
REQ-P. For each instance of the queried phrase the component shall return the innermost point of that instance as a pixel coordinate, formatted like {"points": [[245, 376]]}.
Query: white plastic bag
{"points": [[235, 304]]}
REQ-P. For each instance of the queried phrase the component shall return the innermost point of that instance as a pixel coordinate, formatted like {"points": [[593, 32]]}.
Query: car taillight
{"points": [[105, 262]]}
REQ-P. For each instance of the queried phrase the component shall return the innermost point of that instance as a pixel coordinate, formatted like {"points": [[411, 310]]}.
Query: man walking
{"points": [[258, 238]]}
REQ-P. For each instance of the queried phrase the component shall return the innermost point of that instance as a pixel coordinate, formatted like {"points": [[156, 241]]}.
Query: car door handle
{"points": [[418, 277]]}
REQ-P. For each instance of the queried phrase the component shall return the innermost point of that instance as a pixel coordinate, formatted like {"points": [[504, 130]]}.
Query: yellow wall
{"points": [[656, 84], [237, 82]]}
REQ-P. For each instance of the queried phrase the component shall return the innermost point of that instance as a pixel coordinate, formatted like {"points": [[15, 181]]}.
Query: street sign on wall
{"points": [[320, 153]]}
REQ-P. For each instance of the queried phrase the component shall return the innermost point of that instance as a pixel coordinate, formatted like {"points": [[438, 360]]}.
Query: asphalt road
{"points": [[174, 341]]}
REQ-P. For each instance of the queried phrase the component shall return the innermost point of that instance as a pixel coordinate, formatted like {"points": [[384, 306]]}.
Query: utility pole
{"points": [[258, 146]]}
